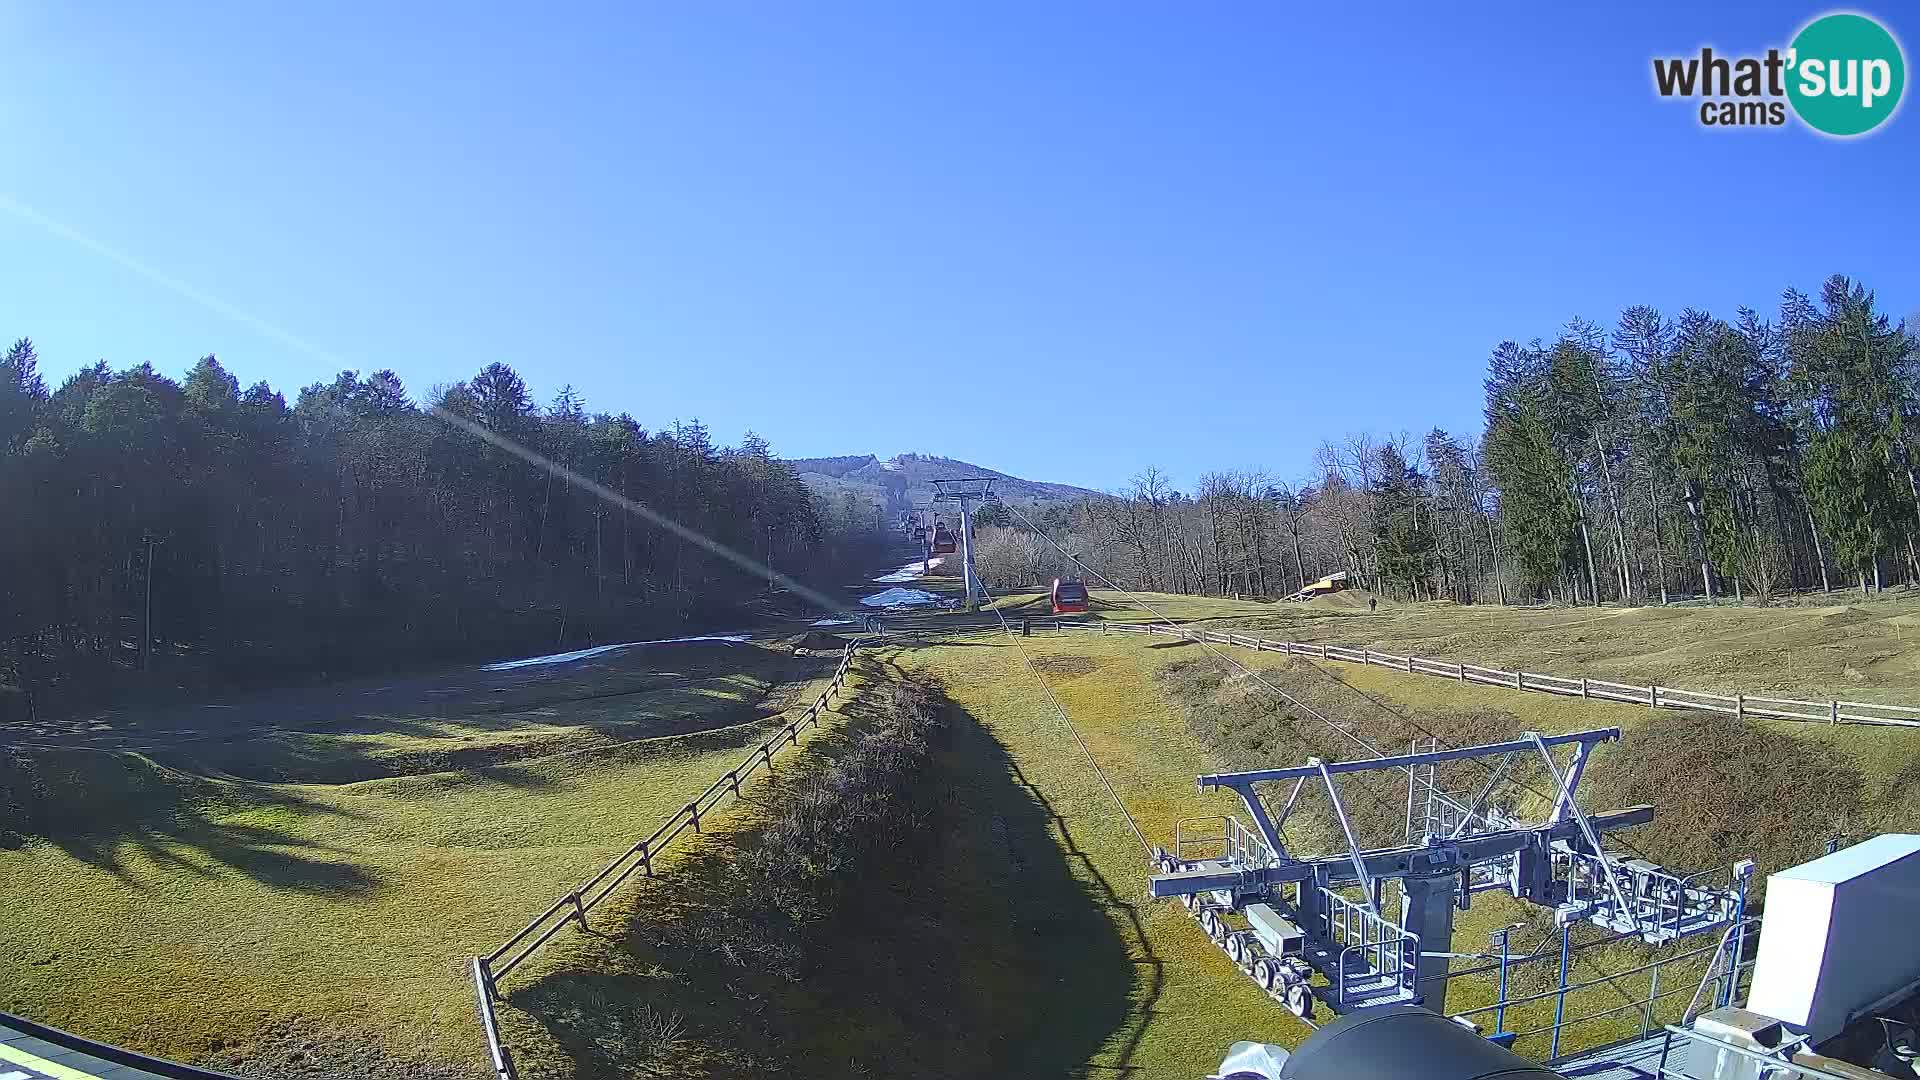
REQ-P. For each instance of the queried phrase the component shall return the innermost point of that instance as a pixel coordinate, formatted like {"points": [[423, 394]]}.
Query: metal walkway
{"points": [[1638, 1059], [30, 1051]]}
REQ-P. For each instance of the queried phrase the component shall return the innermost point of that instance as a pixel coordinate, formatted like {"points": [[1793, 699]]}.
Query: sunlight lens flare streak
{"points": [[639, 509], [221, 307]]}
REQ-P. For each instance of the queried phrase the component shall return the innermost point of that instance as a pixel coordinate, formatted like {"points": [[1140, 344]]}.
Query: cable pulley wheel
{"points": [[1266, 973]]}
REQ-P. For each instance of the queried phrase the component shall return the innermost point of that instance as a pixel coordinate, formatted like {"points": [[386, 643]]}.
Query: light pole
{"points": [[1692, 499], [146, 637]]}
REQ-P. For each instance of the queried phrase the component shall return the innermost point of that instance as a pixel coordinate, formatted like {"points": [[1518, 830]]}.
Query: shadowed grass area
{"points": [[463, 719], [880, 912], [207, 917], [1185, 1004]]}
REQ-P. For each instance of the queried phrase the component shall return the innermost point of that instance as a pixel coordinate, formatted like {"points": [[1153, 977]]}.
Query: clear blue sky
{"points": [[1064, 240]]}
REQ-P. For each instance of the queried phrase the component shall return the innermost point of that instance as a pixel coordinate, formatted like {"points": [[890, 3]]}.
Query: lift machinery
{"points": [[1325, 916]]}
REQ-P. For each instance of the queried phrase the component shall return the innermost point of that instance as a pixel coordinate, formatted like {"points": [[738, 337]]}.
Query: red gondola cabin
{"points": [[943, 542], [1069, 597]]}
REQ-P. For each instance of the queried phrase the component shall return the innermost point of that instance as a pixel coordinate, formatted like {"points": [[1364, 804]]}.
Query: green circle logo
{"points": [[1845, 74]]}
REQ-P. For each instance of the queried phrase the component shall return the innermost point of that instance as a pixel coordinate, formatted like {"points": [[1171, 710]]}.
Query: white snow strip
{"points": [[899, 598], [582, 654], [833, 622], [909, 572]]}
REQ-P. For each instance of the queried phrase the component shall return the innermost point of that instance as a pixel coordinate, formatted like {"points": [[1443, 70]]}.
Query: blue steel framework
{"points": [[1460, 845]]}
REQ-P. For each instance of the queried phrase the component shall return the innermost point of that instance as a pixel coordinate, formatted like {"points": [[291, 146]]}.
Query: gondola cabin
{"points": [[943, 541], [1069, 596]]}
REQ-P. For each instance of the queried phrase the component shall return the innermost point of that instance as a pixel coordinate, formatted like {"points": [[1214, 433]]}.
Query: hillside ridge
{"points": [[905, 480]]}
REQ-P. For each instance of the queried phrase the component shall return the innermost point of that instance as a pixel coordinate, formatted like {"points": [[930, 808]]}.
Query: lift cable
{"points": [[1065, 719]]}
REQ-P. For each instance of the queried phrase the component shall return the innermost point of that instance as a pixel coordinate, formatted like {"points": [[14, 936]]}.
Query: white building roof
{"points": [[1851, 862]]}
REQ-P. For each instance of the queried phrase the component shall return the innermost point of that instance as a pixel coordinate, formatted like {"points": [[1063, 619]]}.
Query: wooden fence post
{"points": [[1583, 686], [693, 811], [1833, 715], [579, 910], [1519, 679], [646, 860], [486, 977], [1366, 657], [1653, 696], [1409, 663], [1460, 672], [1739, 706], [733, 779], [1323, 650]]}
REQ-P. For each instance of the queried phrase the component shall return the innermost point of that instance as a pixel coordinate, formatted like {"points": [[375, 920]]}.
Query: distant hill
{"points": [[906, 479]]}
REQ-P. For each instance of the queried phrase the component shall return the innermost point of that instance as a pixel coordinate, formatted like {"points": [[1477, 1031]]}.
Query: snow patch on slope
{"points": [[900, 598], [908, 572], [582, 654]]}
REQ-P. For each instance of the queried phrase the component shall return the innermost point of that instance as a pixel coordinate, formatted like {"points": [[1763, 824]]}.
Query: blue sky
{"points": [[1063, 240]]}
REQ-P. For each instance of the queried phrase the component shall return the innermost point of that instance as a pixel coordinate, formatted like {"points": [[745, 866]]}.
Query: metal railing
{"points": [[1388, 955], [573, 906], [1661, 903], [1779, 1064], [1725, 981], [1222, 837]]}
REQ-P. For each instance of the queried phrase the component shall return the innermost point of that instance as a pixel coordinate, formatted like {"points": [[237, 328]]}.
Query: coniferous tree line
{"points": [[355, 530], [1659, 459]]}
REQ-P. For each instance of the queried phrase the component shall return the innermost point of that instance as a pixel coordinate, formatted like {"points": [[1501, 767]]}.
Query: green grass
{"points": [[1131, 721], [980, 947], [1185, 1003], [1847, 648], [198, 883], [159, 901]]}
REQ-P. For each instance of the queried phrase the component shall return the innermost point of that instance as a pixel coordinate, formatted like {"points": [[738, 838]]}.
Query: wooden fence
{"points": [[1656, 697], [573, 906]]}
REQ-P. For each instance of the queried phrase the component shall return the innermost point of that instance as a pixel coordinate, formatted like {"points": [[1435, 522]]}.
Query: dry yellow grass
{"points": [[1851, 649], [1131, 727]]}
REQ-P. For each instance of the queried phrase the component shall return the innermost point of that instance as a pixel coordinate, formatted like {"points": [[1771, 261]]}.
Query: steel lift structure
{"points": [[967, 492], [1328, 915]]}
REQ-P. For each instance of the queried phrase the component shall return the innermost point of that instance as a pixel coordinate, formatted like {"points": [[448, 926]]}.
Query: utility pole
{"points": [[146, 637]]}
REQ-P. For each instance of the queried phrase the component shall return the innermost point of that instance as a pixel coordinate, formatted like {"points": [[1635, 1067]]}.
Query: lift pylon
{"points": [[966, 492], [1323, 916]]}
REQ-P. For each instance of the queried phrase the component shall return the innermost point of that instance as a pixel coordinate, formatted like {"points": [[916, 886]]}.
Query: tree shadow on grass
{"points": [[104, 808], [451, 721], [975, 948]]}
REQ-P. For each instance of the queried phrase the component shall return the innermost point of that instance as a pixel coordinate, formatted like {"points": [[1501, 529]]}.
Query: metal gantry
{"points": [[966, 492], [1325, 916]]}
